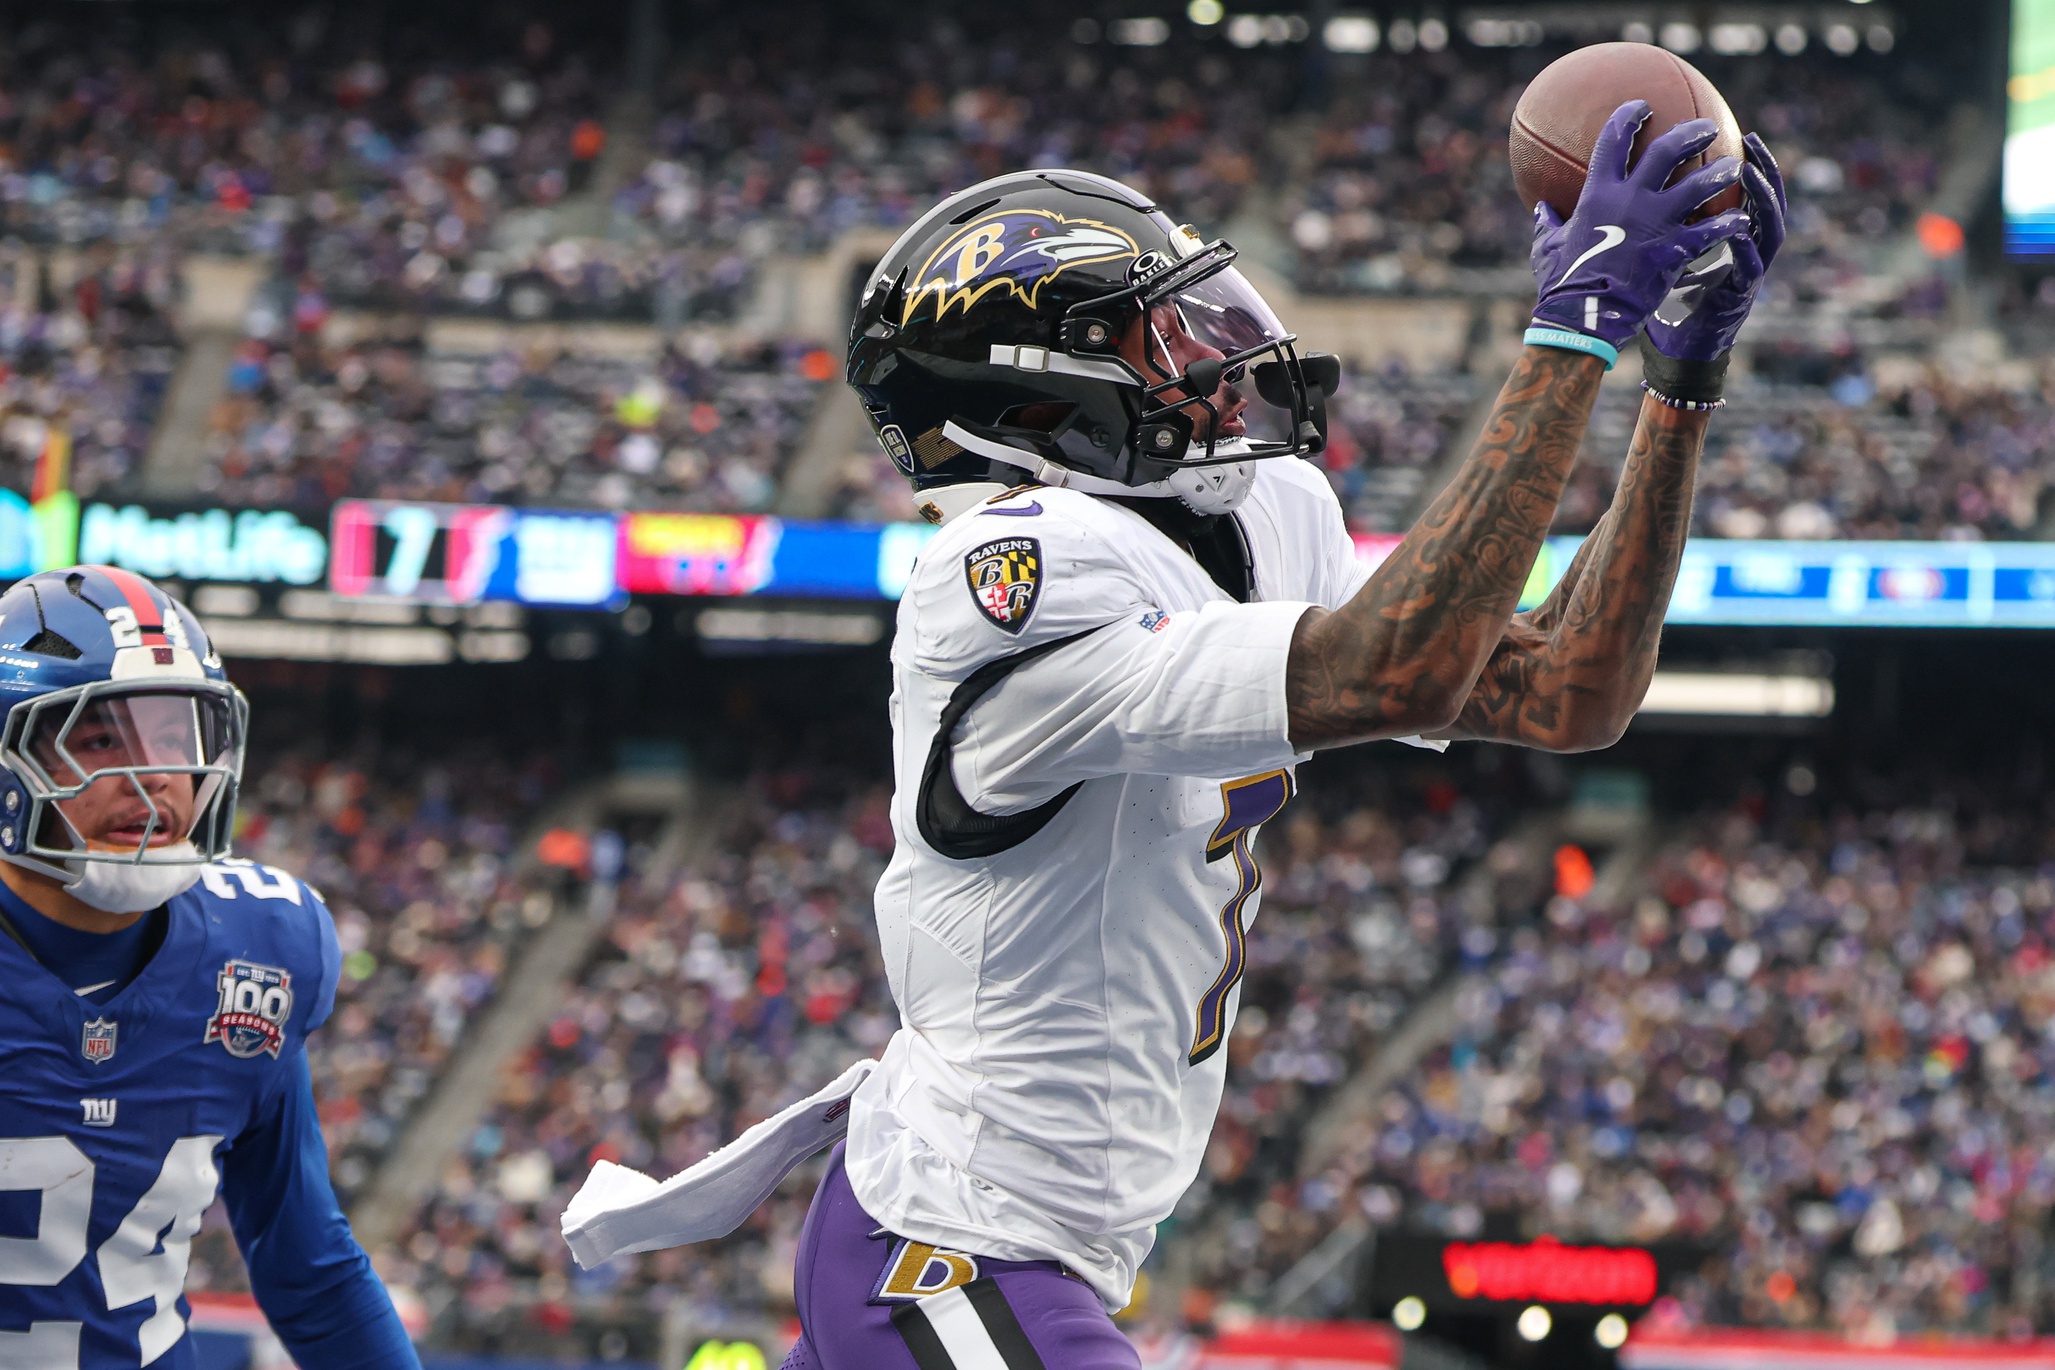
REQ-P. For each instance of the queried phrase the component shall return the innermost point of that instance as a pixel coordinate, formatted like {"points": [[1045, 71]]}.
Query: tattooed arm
{"points": [[1404, 655], [1569, 676]]}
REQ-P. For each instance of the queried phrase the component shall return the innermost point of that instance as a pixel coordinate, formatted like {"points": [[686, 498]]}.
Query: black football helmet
{"points": [[1055, 326]]}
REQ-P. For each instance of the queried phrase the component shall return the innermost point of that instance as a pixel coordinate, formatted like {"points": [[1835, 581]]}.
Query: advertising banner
{"points": [[464, 554], [251, 546], [753, 554], [696, 554], [1460, 1275]]}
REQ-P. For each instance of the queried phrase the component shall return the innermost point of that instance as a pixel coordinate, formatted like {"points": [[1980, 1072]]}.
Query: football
{"points": [[1562, 110]]}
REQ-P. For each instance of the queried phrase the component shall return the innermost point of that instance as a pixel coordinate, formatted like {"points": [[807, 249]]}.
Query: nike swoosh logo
{"points": [[1033, 507], [1610, 236]]}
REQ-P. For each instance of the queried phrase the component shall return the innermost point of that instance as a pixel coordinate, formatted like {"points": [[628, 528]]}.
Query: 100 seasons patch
{"points": [[1005, 577]]}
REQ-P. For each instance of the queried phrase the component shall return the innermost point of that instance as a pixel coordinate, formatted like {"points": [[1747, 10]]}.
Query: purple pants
{"points": [[869, 1300]]}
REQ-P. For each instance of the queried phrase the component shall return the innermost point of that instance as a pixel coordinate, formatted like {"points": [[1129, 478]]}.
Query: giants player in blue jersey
{"points": [[155, 1001]]}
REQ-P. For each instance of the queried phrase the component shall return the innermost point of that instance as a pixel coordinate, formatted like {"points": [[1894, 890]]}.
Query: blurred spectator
{"points": [[697, 427]]}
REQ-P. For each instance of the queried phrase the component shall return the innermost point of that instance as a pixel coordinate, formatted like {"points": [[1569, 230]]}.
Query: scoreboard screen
{"points": [[2029, 191], [468, 553]]}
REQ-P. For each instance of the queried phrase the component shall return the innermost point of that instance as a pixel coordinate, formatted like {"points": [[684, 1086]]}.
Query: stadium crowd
{"points": [[1811, 1045], [723, 991], [413, 181], [416, 861], [475, 178], [1409, 177], [1807, 1040], [700, 426], [1916, 453], [83, 368]]}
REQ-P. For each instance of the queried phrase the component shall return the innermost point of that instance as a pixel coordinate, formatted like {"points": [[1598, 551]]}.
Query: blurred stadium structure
{"points": [[475, 372]]}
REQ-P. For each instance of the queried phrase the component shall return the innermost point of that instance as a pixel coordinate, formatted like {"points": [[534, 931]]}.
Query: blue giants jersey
{"points": [[120, 1122]]}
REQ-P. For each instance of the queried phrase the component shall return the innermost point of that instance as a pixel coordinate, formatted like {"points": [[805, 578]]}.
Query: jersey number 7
{"points": [[1244, 805], [131, 1266]]}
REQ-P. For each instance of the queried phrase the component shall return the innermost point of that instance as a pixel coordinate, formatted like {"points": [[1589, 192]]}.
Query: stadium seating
{"points": [[469, 185], [1811, 1039], [1926, 454], [84, 369], [1409, 185], [697, 427], [750, 978]]}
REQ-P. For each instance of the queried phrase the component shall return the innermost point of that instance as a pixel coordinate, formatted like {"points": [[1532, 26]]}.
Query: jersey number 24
{"points": [[132, 1268]]}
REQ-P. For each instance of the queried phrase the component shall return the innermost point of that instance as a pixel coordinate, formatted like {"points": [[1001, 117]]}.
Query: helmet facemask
{"points": [[1198, 336], [130, 786], [1181, 343]]}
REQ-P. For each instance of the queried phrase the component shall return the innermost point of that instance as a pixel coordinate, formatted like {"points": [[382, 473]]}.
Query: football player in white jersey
{"points": [[1140, 612]]}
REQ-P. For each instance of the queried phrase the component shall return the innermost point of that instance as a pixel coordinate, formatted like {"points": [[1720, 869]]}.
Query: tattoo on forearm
{"points": [[1413, 640], [1572, 673]]}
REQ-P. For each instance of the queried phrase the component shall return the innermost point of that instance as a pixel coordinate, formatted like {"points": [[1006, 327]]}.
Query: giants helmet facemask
{"points": [[1055, 326]]}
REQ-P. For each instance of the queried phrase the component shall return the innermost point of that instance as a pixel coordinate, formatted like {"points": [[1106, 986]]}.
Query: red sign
{"points": [[697, 554], [1549, 1272]]}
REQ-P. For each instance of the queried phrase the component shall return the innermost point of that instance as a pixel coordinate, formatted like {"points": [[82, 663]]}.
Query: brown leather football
{"points": [[1562, 110]]}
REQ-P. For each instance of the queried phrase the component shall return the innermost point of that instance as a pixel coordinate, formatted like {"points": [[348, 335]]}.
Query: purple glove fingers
{"points": [[1758, 154], [1671, 149], [1615, 142], [1695, 240], [1765, 209], [1749, 265], [1706, 182], [1605, 269]]}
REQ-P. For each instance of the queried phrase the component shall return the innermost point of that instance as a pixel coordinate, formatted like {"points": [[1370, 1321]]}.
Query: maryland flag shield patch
{"points": [[1005, 577]]}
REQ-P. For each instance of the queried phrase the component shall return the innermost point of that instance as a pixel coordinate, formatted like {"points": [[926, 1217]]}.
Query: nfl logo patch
{"points": [[96, 1043], [1005, 577]]}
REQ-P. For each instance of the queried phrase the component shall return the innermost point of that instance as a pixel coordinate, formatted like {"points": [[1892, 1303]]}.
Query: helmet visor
{"points": [[1226, 314], [1209, 343], [153, 731]]}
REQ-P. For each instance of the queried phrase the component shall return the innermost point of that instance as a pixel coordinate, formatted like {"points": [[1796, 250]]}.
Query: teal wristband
{"points": [[1571, 341]]}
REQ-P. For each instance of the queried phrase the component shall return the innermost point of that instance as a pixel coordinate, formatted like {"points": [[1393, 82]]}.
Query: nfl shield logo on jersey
{"points": [[255, 1002], [96, 1043], [1005, 576]]}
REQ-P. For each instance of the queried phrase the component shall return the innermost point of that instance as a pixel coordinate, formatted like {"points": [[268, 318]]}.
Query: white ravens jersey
{"points": [[1063, 918]]}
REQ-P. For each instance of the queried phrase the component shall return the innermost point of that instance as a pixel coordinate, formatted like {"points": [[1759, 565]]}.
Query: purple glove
{"points": [[1605, 271], [1698, 321]]}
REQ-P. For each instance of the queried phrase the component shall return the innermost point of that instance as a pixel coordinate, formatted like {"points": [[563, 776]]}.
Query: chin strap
{"points": [[1047, 472]]}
